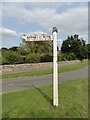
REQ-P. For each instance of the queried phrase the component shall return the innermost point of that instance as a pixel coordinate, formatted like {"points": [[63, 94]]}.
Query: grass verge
{"points": [[37, 102], [44, 72]]}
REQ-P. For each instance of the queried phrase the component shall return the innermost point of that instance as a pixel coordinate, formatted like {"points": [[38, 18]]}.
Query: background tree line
{"points": [[35, 52]]}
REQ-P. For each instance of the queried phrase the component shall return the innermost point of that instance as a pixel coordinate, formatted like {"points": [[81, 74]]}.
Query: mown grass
{"points": [[44, 71], [37, 102]]}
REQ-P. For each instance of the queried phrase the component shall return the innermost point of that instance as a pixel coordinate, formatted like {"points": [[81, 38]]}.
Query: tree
{"points": [[39, 47], [15, 48], [75, 45], [22, 51]]}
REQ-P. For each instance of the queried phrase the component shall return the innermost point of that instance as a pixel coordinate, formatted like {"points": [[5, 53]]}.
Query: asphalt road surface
{"points": [[27, 82]]}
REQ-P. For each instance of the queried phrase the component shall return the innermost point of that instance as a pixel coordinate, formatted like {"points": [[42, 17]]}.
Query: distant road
{"points": [[14, 84]]}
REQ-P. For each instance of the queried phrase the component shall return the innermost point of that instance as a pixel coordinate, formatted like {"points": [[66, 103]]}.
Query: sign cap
{"points": [[54, 29]]}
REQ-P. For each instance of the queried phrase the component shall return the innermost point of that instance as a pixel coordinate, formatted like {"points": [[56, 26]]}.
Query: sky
{"points": [[36, 17]]}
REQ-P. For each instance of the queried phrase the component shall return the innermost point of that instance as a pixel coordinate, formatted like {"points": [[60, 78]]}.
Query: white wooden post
{"points": [[55, 68]]}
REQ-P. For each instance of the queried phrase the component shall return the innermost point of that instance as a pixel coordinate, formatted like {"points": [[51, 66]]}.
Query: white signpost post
{"points": [[55, 67]]}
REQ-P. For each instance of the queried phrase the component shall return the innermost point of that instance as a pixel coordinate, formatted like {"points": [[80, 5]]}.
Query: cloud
{"points": [[69, 21], [36, 32], [74, 20], [7, 33], [20, 12]]}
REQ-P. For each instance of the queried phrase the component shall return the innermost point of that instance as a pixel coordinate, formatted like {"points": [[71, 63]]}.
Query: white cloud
{"points": [[7, 33], [73, 20], [36, 32], [35, 14]]}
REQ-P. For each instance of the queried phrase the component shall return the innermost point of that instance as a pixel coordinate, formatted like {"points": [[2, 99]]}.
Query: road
{"points": [[28, 82]]}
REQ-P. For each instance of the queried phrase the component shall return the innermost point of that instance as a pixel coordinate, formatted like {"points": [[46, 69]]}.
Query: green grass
{"points": [[44, 72], [37, 102]]}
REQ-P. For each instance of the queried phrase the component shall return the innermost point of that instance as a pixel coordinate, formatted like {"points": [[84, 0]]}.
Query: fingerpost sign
{"points": [[55, 66]]}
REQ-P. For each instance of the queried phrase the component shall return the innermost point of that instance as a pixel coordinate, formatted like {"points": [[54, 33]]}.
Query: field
{"points": [[37, 102], [44, 72]]}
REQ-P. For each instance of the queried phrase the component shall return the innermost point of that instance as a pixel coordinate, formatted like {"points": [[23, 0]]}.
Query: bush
{"points": [[46, 58], [4, 61], [14, 58], [60, 57], [64, 57], [71, 56], [32, 58]]}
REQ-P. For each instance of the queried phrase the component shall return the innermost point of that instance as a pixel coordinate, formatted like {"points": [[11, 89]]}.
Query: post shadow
{"points": [[44, 95]]}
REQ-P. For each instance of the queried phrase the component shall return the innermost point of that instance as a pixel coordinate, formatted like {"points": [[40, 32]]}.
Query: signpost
{"points": [[55, 67]]}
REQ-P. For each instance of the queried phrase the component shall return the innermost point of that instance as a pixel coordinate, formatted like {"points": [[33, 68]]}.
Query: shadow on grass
{"points": [[44, 95]]}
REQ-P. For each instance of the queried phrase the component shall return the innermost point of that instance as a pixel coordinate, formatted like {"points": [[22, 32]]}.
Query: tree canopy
{"points": [[76, 45]]}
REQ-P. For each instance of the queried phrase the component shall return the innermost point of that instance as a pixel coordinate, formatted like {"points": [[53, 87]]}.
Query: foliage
{"points": [[38, 47], [22, 51], [72, 48], [46, 58], [6, 49], [4, 61], [14, 58], [26, 52], [15, 49], [60, 57], [75, 45], [32, 58], [71, 56], [64, 57]]}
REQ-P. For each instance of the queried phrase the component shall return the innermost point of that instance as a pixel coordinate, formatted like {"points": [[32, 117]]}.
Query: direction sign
{"points": [[37, 38], [43, 37]]}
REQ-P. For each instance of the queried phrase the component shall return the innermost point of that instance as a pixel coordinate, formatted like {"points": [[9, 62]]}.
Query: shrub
{"points": [[32, 58], [71, 56], [14, 58], [4, 61], [46, 58], [64, 57], [60, 57]]}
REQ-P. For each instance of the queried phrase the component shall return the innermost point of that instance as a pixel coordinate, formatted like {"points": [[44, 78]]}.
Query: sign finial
{"points": [[54, 29]]}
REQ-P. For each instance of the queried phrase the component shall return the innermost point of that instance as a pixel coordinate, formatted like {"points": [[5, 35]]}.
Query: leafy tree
{"points": [[15, 48], [75, 45], [3, 48], [39, 47], [22, 51]]}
